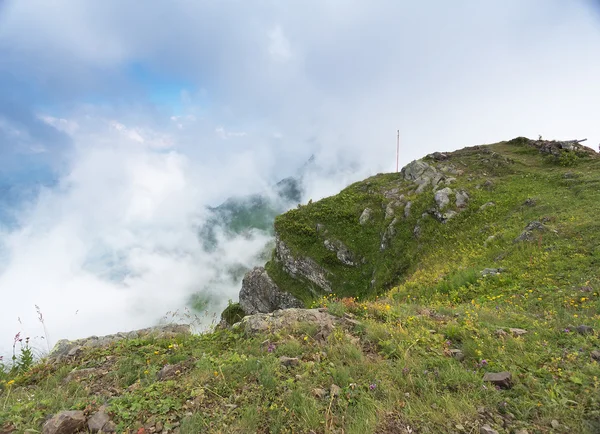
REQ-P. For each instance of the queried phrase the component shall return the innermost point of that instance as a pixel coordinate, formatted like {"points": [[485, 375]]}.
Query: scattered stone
{"points": [[65, 422], [584, 330], [462, 198], [486, 205], [517, 332], [489, 240], [260, 294], [530, 202], [491, 271], [459, 427], [417, 232], [169, 371], [527, 234], [486, 429], [501, 333], [448, 215], [335, 390], [500, 379], [555, 424], [289, 361], [100, 422], [75, 351], [457, 354], [442, 198], [595, 355], [365, 217], [407, 209], [319, 393], [586, 289], [488, 185]]}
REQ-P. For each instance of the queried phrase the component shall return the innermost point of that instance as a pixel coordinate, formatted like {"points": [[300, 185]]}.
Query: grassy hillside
{"points": [[420, 324]]}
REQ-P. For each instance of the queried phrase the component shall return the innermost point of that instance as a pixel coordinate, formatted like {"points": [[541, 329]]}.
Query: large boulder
{"points": [[259, 294], [442, 197], [65, 422]]}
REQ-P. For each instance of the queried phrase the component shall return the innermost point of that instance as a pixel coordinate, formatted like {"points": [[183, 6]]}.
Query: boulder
{"points": [[584, 330], [288, 319], [502, 380], [407, 209], [65, 422], [442, 198], [462, 198], [486, 429], [595, 355], [486, 205], [528, 232], [289, 361], [491, 271], [100, 422], [365, 217], [259, 294]]}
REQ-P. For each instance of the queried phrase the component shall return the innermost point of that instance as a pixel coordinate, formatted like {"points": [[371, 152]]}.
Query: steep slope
{"points": [[478, 312], [467, 207]]}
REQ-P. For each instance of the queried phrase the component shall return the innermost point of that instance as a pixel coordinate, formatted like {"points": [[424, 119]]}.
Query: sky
{"points": [[120, 123]]}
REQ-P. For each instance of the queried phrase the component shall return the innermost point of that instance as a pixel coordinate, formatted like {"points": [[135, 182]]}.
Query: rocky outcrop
{"points": [[530, 229], [290, 318], [365, 217], [65, 422], [301, 267], [259, 294], [442, 197], [342, 252], [421, 174], [65, 348]]}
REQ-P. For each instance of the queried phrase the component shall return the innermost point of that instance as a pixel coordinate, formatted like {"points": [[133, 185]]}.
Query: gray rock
{"points": [[486, 205], [439, 156], [457, 354], [301, 267], [442, 198], [491, 271], [288, 319], [555, 424], [500, 379], [417, 232], [486, 429], [65, 422], [390, 209], [342, 252], [407, 209], [595, 355], [100, 422], [448, 216], [259, 294], [449, 180], [289, 361], [528, 232], [169, 371], [521, 431], [489, 240], [584, 330], [64, 346], [389, 233], [319, 393], [529, 202], [335, 390], [462, 198], [517, 332], [422, 174], [365, 217]]}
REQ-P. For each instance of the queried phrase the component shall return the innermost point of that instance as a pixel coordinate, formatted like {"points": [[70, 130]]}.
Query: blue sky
{"points": [[124, 120]]}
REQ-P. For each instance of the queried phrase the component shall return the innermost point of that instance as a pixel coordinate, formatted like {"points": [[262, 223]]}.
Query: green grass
{"points": [[394, 368]]}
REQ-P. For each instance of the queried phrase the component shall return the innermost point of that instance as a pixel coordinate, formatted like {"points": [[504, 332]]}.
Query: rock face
{"points": [[301, 267], [66, 348], [421, 174], [259, 294], [65, 422], [342, 252]]}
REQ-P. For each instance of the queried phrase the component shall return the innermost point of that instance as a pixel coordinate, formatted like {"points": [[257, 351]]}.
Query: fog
{"points": [[124, 122]]}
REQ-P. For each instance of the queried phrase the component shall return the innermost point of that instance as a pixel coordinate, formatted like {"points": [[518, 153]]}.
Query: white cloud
{"points": [[279, 46]]}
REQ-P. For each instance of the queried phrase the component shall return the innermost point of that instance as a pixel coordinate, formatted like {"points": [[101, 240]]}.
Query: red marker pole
{"points": [[397, 150]]}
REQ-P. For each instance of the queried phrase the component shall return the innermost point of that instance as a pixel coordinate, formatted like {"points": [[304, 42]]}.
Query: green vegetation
{"points": [[420, 339]]}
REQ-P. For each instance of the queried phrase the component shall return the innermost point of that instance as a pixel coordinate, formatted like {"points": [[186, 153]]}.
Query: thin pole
{"points": [[397, 150]]}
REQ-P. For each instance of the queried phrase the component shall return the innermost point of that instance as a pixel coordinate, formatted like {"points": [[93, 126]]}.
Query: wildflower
{"points": [[146, 372], [387, 307], [372, 386], [10, 382], [306, 338], [271, 348], [216, 374], [157, 353], [405, 370], [566, 330]]}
